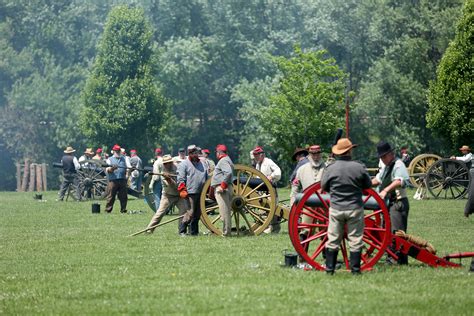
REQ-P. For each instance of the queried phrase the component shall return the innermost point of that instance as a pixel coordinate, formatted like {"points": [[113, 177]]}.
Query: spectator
{"points": [[117, 176], [70, 168]]}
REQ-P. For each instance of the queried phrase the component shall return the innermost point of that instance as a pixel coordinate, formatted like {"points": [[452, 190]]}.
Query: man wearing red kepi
{"points": [[222, 184], [192, 174], [98, 154], [273, 173], [209, 161], [117, 175]]}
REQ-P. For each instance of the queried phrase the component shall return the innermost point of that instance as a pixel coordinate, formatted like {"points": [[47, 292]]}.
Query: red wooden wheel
{"points": [[309, 221]]}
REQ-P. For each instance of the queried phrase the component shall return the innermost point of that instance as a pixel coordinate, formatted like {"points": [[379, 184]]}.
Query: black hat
{"points": [[383, 148], [299, 151], [181, 150]]}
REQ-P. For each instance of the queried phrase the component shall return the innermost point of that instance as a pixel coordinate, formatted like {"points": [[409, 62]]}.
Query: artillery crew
{"points": [[466, 157], [273, 173], [391, 181], [170, 194], [221, 183], [70, 168], [117, 176], [345, 180], [155, 184], [192, 175], [136, 175], [301, 157]]}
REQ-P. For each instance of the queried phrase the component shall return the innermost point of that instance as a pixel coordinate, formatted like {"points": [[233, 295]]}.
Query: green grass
{"points": [[58, 258]]}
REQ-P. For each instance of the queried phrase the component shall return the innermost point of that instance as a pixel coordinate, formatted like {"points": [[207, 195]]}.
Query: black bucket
{"points": [[95, 208], [291, 258], [38, 196]]}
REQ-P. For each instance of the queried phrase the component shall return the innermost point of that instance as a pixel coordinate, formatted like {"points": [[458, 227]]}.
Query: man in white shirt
{"points": [[273, 173], [466, 156]]}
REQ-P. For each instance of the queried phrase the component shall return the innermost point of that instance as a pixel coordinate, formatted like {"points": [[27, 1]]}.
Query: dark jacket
{"points": [[344, 180]]}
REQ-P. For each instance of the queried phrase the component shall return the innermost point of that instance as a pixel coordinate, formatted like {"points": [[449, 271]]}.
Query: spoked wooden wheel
{"points": [[92, 181], [253, 203], [419, 166], [448, 179], [308, 225]]}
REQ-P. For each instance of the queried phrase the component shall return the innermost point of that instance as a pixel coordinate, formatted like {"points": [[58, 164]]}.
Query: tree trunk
{"points": [[26, 169], [18, 177], [39, 178], [31, 186], [45, 178]]}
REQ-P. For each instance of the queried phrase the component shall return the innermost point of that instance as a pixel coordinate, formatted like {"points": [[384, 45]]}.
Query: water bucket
{"points": [[95, 208], [38, 196], [291, 258]]}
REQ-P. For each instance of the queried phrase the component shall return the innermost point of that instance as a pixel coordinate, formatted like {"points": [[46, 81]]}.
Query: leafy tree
{"points": [[122, 103], [451, 104], [308, 104]]}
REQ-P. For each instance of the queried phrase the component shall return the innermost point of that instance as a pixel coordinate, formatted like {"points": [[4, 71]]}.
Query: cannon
{"points": [[308, 224], [254, 203], [92, 181], [443, 178]]}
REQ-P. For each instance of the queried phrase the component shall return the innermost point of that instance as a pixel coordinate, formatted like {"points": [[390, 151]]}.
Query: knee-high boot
{"points": [[331, 258], [354, 260]]}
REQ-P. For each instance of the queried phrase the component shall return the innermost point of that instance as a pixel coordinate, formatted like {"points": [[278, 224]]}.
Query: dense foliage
{"points": [[122, 104], [451, 111], [216, 63]]}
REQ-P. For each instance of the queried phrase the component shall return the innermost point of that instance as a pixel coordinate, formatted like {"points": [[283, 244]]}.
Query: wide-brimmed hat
{"points": [[116, 147], [384, 148], [342, 146], [299, 151], [89, 151], [167, 159], [314, 149], [69, 150], [465, 147], [258, 150]]}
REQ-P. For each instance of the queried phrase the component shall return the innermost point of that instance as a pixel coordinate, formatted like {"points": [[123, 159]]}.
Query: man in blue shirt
{"points": [[117, 176]]}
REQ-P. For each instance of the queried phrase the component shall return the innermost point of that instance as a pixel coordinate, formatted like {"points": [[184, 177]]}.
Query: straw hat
{"points": [[69, 150], [465, 147], [343, 145], [89, 151], [167, 159]]}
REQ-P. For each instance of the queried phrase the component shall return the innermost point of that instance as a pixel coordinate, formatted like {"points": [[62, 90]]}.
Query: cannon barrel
{"points": [[57, 164], [315, 201]]}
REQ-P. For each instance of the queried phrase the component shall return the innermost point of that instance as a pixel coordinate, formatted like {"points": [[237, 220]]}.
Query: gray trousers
{"points": [[354, 219], [165, 202], [224, 199]]}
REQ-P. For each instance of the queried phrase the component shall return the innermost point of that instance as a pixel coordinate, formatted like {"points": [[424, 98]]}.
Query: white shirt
{"points": [[269, 169]]}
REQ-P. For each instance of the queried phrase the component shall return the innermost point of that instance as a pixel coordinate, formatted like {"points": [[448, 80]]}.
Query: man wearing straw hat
{"points": [[466, 157], [170, 194], [88, 154], [344, 180], [70, 167]]}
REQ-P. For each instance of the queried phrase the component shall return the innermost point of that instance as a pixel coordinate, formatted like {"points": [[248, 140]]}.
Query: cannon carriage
{"points": [[442, 178], [308, 225]]}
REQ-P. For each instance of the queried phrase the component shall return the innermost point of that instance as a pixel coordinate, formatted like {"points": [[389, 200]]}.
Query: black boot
{"points": [[331, 257], [472, 266], [354, 260]]}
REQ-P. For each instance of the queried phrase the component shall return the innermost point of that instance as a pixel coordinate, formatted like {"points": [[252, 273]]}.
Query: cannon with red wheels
{"points": [[308, 224]]}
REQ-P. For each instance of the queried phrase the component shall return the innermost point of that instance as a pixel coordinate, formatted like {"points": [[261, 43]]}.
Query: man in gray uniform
{"points": [[192, 174], [222, 184], [344, 180]]}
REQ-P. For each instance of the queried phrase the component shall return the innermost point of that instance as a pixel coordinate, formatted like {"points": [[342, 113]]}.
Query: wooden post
{"points": [[45, 178], [18, 177], [39, 178], [26, 169], [31, 184]]}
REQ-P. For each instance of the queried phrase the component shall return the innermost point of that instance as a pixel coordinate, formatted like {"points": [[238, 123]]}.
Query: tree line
{"points": [[274, 73]]}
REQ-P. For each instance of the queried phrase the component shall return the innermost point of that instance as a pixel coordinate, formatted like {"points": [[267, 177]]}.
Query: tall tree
{"points": [[122, 103], [451, 101], [308, 104]]}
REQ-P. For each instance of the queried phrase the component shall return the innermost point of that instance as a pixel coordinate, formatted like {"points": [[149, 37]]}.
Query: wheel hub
{"points": [[87, 182], [238, 203]]}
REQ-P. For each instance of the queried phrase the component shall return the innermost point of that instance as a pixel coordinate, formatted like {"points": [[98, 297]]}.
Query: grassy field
{"points": [[58, 258]]}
